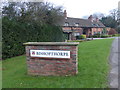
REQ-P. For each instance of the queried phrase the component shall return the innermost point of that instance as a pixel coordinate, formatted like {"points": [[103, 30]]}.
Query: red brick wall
{"points": [[50, 66], [96, 30], [66, 28]]}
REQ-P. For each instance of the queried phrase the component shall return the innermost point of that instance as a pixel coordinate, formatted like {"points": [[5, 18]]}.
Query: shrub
{"points": [[113, 35], [75, 40], [116, 35], [110, 35], [104, 36], [81, 37], [16, 33], [95, 36]]}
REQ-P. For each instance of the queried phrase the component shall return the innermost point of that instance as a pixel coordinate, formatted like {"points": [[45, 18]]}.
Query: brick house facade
{"points": [[75, 26]]}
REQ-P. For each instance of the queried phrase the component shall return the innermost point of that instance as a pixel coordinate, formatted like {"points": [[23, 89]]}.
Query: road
{"points": [[119, 63], [114, 63]]}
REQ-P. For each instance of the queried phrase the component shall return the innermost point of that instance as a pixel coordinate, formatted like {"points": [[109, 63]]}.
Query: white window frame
{"points": [[76, 24], [66, 24], [76, 34]]}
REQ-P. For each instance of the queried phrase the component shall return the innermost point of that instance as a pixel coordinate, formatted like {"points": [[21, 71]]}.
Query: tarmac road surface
{"points": [[114, 63]]}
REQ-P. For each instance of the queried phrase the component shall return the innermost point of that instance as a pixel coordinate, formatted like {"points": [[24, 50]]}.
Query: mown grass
{"points": [[92, 65]]}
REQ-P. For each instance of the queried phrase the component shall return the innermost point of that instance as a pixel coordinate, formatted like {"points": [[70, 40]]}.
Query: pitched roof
{"points": [[81, 22]]}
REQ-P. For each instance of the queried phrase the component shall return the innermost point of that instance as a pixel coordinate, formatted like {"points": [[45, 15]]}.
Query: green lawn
{"points": [[93, 70], [0, 75]]}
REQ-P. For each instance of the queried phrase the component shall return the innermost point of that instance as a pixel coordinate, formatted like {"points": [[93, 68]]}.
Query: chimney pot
{"points": [[97, 19], [65, 14], [90, 18]]}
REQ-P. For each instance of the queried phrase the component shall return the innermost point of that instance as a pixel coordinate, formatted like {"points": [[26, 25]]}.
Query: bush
{"points": [[115, 35], [75, 40], [16, 33], [109, 35], [81, 37], [95, 36], [104, 36]]}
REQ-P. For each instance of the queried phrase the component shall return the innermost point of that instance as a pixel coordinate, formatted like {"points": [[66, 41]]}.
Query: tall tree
{"points": [[109, 21], [29, 22], [114, 13], [98, 15], [37, 12]]}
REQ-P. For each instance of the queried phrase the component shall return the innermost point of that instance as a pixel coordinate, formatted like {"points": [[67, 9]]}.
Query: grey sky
{"points": [[80, 8]]}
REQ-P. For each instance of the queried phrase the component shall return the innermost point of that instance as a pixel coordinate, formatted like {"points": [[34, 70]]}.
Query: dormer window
{"points": [[93, 24], [98, 25], [66, 24], [76, 24]]}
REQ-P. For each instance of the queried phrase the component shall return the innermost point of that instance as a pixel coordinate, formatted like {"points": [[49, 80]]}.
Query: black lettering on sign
{"points": [[66, 54], [52, 53], [37, 53]]}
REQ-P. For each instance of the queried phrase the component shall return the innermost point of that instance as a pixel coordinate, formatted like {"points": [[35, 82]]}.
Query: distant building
{"points": [[74, 27]]}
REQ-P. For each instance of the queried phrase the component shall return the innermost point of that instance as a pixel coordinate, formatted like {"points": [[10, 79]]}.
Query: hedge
{"points": [[81, 37], [102, 36], [16, 33]]}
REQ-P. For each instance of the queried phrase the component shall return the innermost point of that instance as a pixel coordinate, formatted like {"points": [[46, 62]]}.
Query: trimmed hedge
{"points": [[102, 36], [75, 40], [116, 35], [95, 36], [16, 33]]}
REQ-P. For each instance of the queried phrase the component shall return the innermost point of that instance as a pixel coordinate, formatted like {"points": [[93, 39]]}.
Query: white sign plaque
{"points": [[50, 53]]}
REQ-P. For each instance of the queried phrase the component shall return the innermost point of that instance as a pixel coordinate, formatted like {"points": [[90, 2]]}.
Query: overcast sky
{"points": [[80, 8]]}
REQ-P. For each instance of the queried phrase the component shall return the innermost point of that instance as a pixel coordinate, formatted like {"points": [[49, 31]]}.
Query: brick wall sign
{"points": [[50, 53], [52, 58]]}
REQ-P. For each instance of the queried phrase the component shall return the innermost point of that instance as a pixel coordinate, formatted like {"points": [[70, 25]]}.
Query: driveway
{"points": [[100, 38], [114, 59]]}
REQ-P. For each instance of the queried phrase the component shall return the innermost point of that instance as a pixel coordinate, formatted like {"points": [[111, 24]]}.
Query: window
{"points": [[76, 34], [96, 25], [94, 33], [66, 24], [99, 32], [93, 25], [76, 24]]}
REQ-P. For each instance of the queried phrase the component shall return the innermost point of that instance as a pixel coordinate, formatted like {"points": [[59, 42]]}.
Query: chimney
{"points": [[90, 18], [97, 19], [65, 14]]}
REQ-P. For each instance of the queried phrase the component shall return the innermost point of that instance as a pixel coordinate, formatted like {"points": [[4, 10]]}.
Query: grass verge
{"points": [[93, 69]]}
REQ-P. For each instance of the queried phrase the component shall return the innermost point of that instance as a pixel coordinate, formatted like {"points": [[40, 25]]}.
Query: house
{"points": [[74, 27]]}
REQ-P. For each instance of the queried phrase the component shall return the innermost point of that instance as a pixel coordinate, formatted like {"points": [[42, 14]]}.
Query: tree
{"points": [[95, 15], [29, 22], [114, 13], [98, 15], [109, 21], [37, 12], [118, 29]]}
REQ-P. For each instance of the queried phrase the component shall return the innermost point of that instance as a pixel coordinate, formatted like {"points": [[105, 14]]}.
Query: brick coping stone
{"points": [[52, 43]]}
